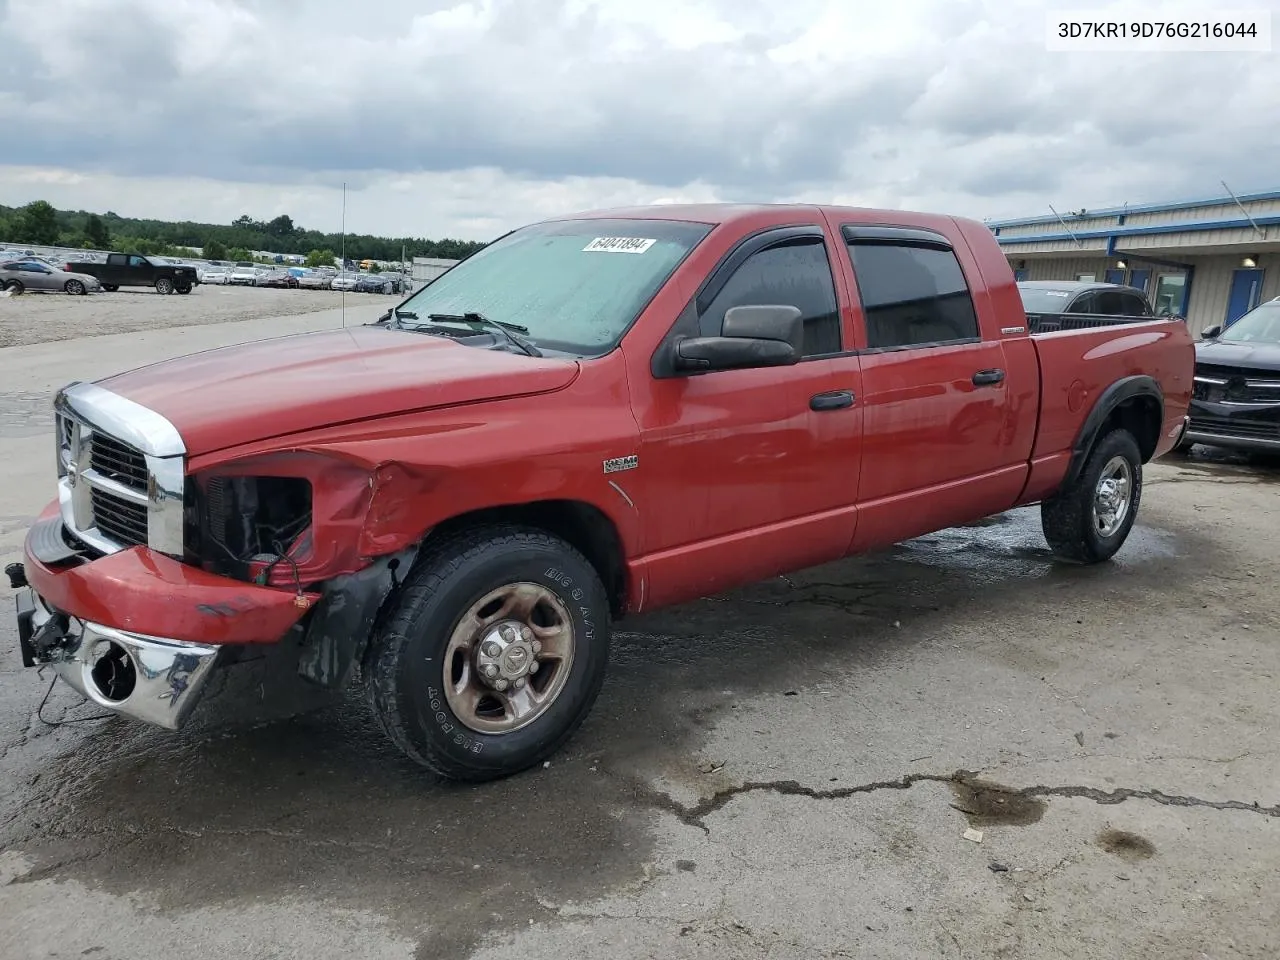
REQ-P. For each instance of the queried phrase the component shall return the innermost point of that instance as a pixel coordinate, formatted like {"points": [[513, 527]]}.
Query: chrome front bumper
{"points": [[154, 679]]}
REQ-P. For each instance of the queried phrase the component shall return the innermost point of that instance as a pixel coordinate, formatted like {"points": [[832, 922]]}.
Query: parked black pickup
{"points": [[1077, 304], [135, 270]]}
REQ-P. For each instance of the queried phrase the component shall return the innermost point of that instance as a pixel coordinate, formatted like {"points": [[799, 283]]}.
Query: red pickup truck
{"points": [[592, 417]]}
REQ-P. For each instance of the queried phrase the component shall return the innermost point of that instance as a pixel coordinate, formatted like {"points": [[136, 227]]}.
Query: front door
{"points": [[1246, 293], [752, 472]]}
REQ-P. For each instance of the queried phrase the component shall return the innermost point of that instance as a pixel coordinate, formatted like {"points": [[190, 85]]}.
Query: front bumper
{"points": [[1239, 426], [156, 679]]}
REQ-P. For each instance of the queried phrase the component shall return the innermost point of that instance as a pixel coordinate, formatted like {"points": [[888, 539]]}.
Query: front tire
{"points": [[493, 655], [164, 285], [1088, 521], [16, 288], [110, 287], [184, 289], [74, 287]]}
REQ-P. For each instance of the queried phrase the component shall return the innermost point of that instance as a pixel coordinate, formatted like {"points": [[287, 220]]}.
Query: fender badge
{"points": [[1013, 329], [618, 464]]}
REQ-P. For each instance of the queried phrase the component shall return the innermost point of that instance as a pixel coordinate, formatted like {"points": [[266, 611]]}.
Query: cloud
{"points": [[949, 104]]}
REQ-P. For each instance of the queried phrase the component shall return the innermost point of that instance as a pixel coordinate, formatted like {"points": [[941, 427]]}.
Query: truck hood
{"points": [[271, 388], [1225, 353]]}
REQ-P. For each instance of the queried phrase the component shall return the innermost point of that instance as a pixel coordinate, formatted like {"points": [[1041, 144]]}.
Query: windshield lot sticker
{"points": [[1057, 293], [618, 245]]}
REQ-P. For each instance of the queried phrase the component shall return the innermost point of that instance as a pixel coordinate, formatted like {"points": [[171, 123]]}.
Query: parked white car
{"points": [[244, 275], [214, 275], [344, 281]]}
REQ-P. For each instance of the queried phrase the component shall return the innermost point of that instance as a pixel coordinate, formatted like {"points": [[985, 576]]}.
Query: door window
{"points": [[137, 262], [1111, 303], [912, 295], [1134, 305], [1085, 303], [796, 273]]}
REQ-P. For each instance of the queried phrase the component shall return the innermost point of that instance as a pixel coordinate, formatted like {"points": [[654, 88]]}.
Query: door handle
{"points": [[834, 400], [985, 378]]}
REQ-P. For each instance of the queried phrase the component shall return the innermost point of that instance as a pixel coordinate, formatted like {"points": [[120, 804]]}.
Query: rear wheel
{"points": [[110, 287], [1088, 521], [164, 285], [493, 655], [74, 287]]}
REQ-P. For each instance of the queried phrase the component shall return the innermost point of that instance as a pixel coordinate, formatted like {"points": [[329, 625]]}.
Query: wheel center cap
{"points": [[506, 655]]}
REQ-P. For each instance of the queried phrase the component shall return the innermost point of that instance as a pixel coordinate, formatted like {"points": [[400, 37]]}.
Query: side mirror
{"points": [[752, 336], [1211, 333]]}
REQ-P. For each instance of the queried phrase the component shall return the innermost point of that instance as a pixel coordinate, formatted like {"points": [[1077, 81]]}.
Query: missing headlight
{"points": [[247, 519]]}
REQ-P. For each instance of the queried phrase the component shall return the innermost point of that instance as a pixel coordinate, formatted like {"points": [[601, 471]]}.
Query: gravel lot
{"points": [[785, 771], [41, 317]]}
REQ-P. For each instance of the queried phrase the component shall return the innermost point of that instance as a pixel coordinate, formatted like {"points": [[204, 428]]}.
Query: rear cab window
{"points": [[913, 289]]}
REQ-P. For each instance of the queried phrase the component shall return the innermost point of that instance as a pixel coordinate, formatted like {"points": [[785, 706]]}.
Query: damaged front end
{"points": [[150, 678]]}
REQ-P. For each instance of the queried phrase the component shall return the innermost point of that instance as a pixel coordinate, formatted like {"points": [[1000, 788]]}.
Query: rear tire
{"points": [[74, 287], [477, 602], [164, 285], [1088, 521]]}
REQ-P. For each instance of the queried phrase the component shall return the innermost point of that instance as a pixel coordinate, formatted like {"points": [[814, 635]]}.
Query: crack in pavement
{"points": [[695, 816]]}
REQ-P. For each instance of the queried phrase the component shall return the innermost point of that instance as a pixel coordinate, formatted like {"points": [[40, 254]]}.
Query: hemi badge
{"points": [[1013, 329], [618, 464]]}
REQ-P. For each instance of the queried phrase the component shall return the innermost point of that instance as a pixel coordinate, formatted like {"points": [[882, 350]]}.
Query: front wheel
{"points": [[74, 287], [493, 655], [110, 287], [16, 288], [1089, 520], [164, 285], [184, 289]]}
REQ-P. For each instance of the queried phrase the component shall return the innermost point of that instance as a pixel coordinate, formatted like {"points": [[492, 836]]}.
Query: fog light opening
{"points": [[113, 674]]}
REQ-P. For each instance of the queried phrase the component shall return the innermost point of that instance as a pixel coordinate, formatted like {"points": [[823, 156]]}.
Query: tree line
{"points": [[39, 222]]}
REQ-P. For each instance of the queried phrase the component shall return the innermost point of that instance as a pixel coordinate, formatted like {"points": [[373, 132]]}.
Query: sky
{"points": [[465, 119]]}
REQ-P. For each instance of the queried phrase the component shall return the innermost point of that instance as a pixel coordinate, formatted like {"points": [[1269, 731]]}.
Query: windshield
{"points": [[1044, 300], [576, 285], [1260, 325]]}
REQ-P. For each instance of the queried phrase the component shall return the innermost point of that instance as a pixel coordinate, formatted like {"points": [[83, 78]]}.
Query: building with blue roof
{"points": [[1209, 260]]}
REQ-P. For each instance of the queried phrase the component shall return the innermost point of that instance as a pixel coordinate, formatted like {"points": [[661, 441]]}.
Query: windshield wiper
{"points": [[480, 321]]}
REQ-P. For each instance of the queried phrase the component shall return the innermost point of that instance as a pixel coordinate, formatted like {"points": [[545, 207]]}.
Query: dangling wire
{"points": [[63, 723]]}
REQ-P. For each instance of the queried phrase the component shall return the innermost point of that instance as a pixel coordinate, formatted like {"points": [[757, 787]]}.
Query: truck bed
{"points": [[1078, 365], [1050, 322]]}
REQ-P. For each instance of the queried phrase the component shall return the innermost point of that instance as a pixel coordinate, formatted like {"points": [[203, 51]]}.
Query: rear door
{"points": [[941, 444]]}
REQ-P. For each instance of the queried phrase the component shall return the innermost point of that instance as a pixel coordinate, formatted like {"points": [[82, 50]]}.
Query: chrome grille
{"points": [[119, 461], [1234, 385], [117, 518], [121, 470]]}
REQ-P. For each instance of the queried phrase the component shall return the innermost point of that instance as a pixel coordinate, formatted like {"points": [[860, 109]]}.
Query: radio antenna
{"points": [[343, 269]]}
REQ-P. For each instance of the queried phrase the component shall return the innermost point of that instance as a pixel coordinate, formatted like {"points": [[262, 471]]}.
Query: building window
{"points": [[1170, 290], [1086, 277]]}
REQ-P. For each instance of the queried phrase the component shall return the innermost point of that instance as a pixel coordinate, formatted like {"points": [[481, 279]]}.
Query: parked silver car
{"points": [[19, 276]]}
